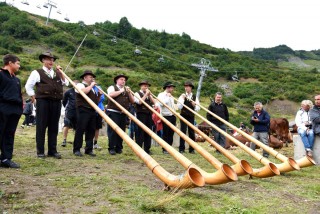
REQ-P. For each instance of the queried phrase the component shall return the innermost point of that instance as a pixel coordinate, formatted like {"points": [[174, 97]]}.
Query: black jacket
{"points": [[219, 109]]}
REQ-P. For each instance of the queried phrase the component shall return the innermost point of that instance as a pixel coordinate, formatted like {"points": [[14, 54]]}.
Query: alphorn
{"points": [[223, 175], [268, 170], [287, 165], [191, 178], [241, 167]]}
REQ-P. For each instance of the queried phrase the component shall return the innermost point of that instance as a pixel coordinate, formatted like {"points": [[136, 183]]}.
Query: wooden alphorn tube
{"points": [[224, 172], [288, 164], [267, 171], [191, 178]]}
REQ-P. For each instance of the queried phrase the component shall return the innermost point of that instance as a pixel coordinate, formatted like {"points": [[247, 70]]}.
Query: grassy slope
{"points": [[123, 184]]}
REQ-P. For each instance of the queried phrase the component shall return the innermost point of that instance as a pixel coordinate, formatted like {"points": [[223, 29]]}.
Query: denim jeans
{"points": [[307, 138]]}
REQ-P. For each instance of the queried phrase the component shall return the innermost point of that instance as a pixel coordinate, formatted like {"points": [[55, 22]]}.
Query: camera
{"points": [[309, 125]]}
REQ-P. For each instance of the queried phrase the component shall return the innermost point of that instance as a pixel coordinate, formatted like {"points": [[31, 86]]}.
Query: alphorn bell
{"points": [[241, 167], [223, 175], [191, 178], [270, 169], [287, 165]]}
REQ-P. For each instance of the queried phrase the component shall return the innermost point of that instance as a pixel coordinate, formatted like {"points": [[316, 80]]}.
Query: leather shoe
{"points": [[119, 151], [78, 153], [181, 151], [149, 152], [91, 154], [192, 152], [41, 155], [165, 152], [9, 164], [112, 152], [55, 155]]}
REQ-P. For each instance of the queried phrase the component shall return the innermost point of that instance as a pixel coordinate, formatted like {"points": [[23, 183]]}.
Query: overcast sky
{"points": [[233, 24]]}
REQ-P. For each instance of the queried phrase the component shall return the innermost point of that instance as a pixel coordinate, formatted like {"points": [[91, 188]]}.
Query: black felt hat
{"points": [[87, 72], [189, 83], [119, 76], [168, 84], [47, 54], [144, 82]]}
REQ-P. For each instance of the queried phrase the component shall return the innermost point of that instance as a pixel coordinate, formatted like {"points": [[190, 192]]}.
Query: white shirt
{"points": [[168, 101], [110, 90], [302, 117], [34, 78], [188, 96], [82, 86], [136, 100]]}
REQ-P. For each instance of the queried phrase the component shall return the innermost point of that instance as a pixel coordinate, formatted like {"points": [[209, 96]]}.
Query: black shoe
{"points": [[181, 151], [165, 152], [112, 152], [9, 164], [64, 143], [78, 153], [149, 152], [192, 152], [119, 151], [91, 154], [55, 155], [41, 155]]}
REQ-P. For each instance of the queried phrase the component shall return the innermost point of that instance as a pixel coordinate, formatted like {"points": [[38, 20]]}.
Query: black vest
{"points": [[122, 99], [187, 102], [49, 88], [142, 108], [80, 101]]}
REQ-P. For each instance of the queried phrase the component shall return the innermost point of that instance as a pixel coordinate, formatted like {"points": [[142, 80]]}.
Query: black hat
{"points": [[144, 82], [87, 72], [47, 54], [189, 83], [119, 76], [168, 84]]}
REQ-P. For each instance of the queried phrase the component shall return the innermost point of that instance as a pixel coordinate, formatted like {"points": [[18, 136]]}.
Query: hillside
{"points": [[110, 49]]}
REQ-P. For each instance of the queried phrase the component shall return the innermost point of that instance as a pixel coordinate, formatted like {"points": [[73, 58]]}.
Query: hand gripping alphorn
{"points": [[287, 165], [267, 171], [223, 175], [191, 178]]}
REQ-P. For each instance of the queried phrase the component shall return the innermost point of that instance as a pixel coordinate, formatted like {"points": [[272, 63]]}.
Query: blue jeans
{"points": [[307, 138]]}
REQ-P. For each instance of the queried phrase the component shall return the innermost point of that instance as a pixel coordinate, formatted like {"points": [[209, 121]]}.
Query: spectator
{"points": [[260, 120], [27, 111]]}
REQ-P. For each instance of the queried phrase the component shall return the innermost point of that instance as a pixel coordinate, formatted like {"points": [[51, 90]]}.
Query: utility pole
{"points": [[49, 4], [204, 65]]}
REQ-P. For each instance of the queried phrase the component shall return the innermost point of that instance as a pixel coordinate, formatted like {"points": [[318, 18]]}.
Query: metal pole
{"points": [[49, 14], [202, 75]]}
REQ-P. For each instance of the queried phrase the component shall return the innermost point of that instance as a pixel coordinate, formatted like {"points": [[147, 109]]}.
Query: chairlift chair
{"points": [[59, 11], [235, 77], [67, 19], [114, 39], [137, 51], [46, 5], [161, 59], [96, 33], [39, 6]]}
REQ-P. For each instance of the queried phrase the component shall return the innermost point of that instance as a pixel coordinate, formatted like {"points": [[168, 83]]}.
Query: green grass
{"points": [[123, 184]]}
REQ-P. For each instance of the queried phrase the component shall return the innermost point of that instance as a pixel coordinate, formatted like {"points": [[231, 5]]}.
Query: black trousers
{"points": [[8, 126], [85, 125], [142, 137], [26, 119], [115, 141], [48, 114], [183, 129], [167, 131]]}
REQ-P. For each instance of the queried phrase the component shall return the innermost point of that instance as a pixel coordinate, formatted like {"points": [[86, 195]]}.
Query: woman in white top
{"points": [[305, 126]]}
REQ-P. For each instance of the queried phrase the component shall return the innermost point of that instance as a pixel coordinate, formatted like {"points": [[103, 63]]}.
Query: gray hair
{"points": [[307, 103], [218, 93], [257, 104]]}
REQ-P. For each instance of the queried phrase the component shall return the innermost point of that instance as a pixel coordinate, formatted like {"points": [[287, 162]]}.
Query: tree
{"points": [[124, 27]]}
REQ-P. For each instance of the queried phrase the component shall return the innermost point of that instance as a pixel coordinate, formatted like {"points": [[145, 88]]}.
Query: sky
{"points": [[238, 25]]}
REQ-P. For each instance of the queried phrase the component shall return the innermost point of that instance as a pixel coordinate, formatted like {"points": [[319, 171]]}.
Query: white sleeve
{"points": [[298, 121], [65, 82], [80, 86], [110, 89], [180, 102], [197, 108], [136, 100], [33, 79]]}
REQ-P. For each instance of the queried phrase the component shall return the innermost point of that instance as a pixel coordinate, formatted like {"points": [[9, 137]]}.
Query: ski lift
{"points": [[59, 11], [114, 39], [235, 77], [96, 33], [46, 5], [66, 18], [137, 51], [161, 59], [25, 2], [39, 6]]}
